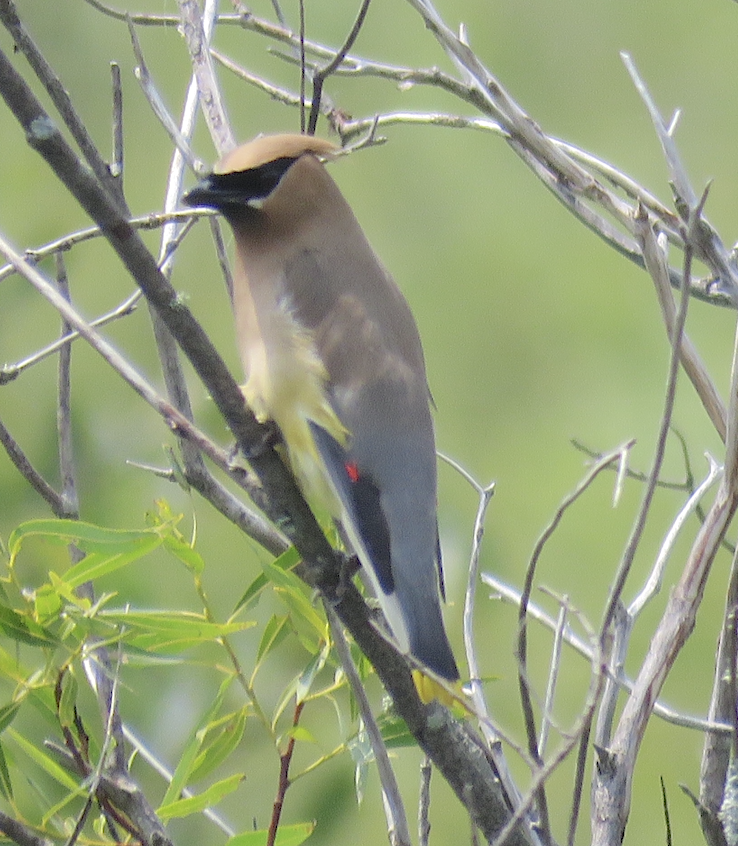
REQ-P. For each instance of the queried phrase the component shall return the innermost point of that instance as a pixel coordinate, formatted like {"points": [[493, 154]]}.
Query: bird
{"points": [[333, 358]]}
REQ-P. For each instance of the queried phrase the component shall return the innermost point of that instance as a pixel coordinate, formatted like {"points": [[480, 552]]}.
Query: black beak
{"points": [[205, 193]]}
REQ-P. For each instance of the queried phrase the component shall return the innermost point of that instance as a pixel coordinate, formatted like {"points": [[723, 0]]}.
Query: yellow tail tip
{"points": [[430, 690]]}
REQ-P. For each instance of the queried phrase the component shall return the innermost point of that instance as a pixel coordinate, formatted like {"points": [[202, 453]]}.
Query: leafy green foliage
{"points": [[55, 628], [288, 835]]}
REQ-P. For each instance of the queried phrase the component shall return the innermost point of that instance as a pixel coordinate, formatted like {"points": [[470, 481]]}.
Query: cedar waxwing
{"points": [[332, 355]]}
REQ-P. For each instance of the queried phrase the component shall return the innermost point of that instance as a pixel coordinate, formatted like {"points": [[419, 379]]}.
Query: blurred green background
{"points": [[534, 331]]}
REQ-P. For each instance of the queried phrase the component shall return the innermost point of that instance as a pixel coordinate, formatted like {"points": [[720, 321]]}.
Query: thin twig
{"points": [[670, 396], [481, 710], [485, 497], [29, 473], [424, 798], [211, 101], [629, 473], [116, 163], [718, 750], [625, 618], [578, 787], [285, 759], [522, 650], [279, 13], [148, 221], [9, 372], [511, 595], [705, 241], [64, 407], [617, 623], [141, 72], [555, 665], [397, 825], [21, 834], [320, 76], [653, 583], [303, 67], [654, 257]]}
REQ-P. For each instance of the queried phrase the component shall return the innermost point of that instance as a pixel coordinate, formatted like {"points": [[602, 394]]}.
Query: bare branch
{"points": [[21, 834], [552, 678], [211, 102], [653, 583], [511, 595], [426, 771], [320, 76], [29, 473], [141, 72], [480, 710], [705, 240], [64, 408], [116, 164], [522, 650], [717, 750], [640, 522], [655, 262], [397, 826]]}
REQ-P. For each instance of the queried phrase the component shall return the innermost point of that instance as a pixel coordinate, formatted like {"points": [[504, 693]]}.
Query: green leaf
{"points": [[286, 561], [307, 676], [113, 557], [284, 700], [46, 763], [136, 657], [170, 631], [46, 604], [361, 776], [31, 689], [362, 754], [6, 785], [275, 632], [68, 700], [88, 537], [292, 592], [206, 799], [24, 629], [192, 748], [300, 733], [185, 553], [394, 730], [287, 835], [221, 747], [7, 715]]}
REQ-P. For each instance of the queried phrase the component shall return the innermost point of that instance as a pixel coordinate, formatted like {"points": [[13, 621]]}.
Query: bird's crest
{"points": [[268, 148]]}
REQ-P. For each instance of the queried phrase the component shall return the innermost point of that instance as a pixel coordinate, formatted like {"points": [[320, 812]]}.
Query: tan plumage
{"points": [[332, 354]]}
